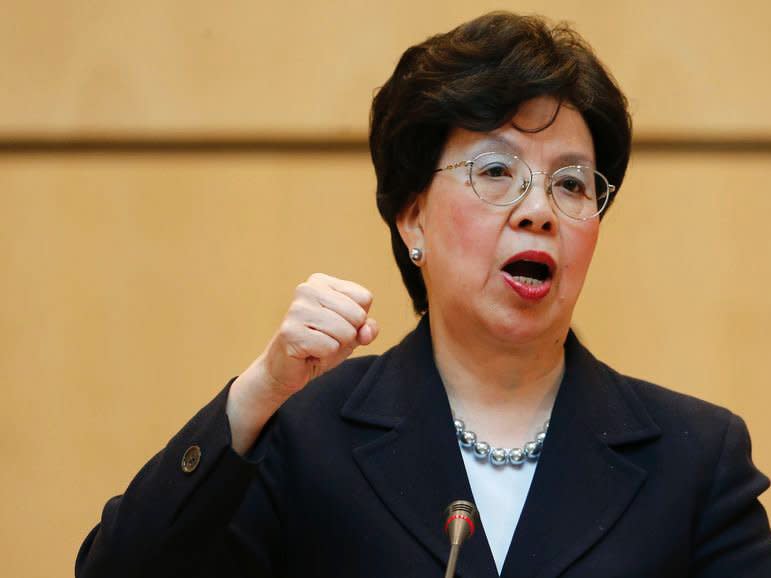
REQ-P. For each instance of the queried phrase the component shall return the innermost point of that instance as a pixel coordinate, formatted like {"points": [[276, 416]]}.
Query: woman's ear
{"points": [[410, 224]]}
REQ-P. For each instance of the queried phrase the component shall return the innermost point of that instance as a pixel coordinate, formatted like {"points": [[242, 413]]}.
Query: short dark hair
{"points": [[475, 77]]}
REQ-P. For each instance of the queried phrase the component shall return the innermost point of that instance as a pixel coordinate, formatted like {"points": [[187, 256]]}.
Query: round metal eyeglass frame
{"points": [[469, 164]]}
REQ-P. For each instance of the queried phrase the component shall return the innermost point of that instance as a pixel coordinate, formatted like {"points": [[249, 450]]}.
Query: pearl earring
{"points": [[416, 254]]}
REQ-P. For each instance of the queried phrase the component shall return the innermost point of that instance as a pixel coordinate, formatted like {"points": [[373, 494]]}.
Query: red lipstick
{"points": [[529, 274]]}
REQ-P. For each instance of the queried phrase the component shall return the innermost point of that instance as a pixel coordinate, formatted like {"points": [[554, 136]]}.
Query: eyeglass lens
{"points": [[501, 179]]}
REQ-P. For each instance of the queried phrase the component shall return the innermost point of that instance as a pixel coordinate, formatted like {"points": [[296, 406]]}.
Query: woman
{"points": [[498, 146]]}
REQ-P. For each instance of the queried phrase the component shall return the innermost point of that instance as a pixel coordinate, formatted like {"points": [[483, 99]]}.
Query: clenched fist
{"points": [[326, 321]]}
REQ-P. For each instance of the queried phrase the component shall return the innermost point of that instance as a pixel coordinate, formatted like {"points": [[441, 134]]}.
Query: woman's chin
{"points": [[520, 327]]}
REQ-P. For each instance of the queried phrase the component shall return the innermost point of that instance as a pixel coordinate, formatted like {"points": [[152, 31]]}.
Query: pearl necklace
{"points": [[500, 456]]}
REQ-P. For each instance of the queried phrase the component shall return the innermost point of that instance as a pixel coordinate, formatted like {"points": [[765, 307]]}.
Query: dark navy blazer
{"points": [[351, 477]]}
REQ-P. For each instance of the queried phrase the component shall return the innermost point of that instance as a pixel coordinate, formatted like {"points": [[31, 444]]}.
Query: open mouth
{"points": [[528, 272]]}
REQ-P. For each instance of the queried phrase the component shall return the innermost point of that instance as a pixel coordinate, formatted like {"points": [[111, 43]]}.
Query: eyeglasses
{"points": [[502, 179]]}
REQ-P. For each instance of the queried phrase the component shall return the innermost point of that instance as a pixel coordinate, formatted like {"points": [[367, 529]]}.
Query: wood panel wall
{"points": [[170, 170]]}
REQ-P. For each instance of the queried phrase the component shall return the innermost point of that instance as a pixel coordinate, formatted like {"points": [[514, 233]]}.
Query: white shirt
{"points": [[499, 495]]}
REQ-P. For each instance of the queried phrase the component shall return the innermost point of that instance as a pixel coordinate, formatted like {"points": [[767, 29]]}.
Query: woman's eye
{"points": [[495, 171], [572, 185]]}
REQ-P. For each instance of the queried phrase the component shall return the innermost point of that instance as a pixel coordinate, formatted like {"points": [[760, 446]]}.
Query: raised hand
{"points": [[326, 321]]}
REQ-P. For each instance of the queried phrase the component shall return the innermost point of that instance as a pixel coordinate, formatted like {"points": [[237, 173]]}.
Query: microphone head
{"points": [[461, 521]]}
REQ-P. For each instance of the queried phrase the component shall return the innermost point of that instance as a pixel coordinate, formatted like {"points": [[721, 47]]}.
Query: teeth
{"points": [[527, 280]]}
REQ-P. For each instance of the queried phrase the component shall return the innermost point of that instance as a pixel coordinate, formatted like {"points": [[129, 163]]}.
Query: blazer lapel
{"points": [[415, 466], [582, 485]]}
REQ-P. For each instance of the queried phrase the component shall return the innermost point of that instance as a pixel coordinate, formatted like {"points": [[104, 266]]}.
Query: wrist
{"points": [[253, 398]]}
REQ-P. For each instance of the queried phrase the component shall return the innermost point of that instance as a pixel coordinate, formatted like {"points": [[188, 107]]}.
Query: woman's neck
{"points": [[503, 393]]}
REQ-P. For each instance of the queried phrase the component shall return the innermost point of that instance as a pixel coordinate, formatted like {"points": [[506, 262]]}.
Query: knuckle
{"points": [[331, 347], [359, 317], [296, 310], [300, 291], [349, 333], [288, 326], [286, 331], [325, 298], [366, 297], [303, 288]]}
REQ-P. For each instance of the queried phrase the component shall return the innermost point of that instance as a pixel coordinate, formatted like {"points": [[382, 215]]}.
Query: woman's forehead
{"points": [[567, 140]]}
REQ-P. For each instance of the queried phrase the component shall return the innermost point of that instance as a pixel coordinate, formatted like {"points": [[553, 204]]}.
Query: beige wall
{"points": [[134, 283], [299, 68]]}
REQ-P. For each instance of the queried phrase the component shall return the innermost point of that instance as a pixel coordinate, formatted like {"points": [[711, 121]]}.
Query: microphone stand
{"points": [[452, 561]]}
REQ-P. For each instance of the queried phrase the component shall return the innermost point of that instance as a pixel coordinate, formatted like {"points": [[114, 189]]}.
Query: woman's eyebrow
{"points": [[495, 144], [572, 158]]}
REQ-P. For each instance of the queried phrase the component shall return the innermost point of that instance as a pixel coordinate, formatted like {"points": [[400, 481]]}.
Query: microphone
{"points": [[461, 519]]}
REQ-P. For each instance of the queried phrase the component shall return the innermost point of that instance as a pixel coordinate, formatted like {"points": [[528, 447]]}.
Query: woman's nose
{"points": [[535, 212]]}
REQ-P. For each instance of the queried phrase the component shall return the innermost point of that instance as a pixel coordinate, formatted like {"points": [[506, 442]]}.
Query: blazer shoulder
{"points": [[672, 409]]}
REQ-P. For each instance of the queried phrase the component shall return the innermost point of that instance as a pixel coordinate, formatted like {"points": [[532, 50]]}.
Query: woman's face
{"points": [[468, 245]]}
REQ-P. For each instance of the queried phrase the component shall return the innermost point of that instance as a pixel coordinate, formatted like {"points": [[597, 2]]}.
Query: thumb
{"points": [[368, 332]]}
